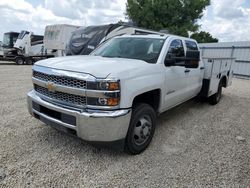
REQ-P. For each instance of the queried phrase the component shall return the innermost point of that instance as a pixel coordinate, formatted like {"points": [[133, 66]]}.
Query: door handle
{"points": [[202, 68], [187, 71]]}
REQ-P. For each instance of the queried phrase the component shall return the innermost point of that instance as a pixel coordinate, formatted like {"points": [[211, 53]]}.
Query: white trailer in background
{"points": [[56, 38], [31, 48]]}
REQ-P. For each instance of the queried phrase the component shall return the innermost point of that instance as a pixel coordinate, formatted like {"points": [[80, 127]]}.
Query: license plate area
{"points": [[69, 119]]}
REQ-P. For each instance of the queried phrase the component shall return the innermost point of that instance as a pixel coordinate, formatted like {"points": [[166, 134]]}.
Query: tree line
{"points": [[178, 17]]}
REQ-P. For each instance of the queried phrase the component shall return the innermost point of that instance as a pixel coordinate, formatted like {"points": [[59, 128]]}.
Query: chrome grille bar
{"points": [[60, 96], [60, 80]]}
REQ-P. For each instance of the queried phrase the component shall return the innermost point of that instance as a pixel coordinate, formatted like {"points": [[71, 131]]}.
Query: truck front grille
{"points": [[60, 80], [61, 97]]}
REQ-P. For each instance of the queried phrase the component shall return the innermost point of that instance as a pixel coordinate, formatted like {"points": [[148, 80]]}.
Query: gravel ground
{"points": [[195, 145]]}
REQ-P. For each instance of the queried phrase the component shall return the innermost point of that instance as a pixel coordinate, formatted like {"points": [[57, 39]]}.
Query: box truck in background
{"points": [[56, 38]]}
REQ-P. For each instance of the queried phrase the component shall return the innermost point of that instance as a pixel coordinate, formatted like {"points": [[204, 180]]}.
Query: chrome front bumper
{"points": [[96, 126]]}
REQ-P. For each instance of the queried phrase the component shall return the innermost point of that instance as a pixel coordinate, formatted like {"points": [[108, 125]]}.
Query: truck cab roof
{"points": [[156, 36]]}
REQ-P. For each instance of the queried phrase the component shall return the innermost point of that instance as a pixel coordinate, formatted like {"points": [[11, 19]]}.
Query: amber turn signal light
{"points": [[113, 101]]}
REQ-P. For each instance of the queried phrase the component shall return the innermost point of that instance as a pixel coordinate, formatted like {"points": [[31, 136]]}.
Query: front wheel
{"points": [[141, 129], [214, 99]]}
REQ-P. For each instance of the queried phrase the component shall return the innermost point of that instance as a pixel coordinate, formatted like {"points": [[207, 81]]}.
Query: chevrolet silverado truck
{"points": [[113, 95]]}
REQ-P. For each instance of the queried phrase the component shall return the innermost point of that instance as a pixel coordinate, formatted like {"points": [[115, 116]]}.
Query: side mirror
{"points": [[169, 62]]}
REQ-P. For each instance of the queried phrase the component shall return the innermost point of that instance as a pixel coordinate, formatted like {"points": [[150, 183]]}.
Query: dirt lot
{"points": [[195, 144]]}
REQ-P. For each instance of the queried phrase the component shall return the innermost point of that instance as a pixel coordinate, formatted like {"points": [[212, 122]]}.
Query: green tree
{"points": [[203, 37], [177, 16]]}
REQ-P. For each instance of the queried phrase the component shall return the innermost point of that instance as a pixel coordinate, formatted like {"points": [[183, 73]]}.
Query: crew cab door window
{"points": [[176, 52], [176, 49], [191, 45]]}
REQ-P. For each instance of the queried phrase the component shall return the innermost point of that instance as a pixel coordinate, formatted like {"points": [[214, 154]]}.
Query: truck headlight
{"points": [[103, 101], [104, 93], [104, 85]]}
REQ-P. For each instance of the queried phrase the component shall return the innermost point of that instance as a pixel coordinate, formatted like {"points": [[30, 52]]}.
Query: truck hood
{"points": [[100, 67]]}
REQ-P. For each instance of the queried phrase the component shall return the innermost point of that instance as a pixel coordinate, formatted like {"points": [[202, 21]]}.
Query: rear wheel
{"points": [[29, 61], [141, 129], [214, 99], [19, 61]]}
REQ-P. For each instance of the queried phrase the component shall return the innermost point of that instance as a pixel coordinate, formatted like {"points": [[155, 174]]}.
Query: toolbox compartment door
{"points": [[215, 68]]}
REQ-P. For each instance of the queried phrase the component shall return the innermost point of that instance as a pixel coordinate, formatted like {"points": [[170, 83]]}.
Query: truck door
{"points": [[194, 69], [175, 84]]}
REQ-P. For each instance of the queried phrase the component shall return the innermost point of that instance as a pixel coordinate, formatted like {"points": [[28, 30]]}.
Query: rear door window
{"points": [[191, 45], [192, 54]]}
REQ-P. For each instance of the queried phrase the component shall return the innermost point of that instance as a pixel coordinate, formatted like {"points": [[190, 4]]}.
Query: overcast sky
{"points": [[228, 20]]}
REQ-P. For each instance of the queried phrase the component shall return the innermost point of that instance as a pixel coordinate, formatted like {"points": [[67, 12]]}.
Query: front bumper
{"points": [[98, 126]]}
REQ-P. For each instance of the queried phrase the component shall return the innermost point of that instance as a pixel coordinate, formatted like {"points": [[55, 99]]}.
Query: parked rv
{"points": [[9, 40], [1, 50], [56, 38], [84, 40]]}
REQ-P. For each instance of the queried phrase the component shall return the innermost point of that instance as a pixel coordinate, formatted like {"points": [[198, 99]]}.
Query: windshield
{"points": [[6, 40], [146, 49], [22, 34]]}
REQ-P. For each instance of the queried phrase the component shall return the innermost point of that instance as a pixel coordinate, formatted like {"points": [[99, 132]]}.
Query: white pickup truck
{"points": [[114, 95]]}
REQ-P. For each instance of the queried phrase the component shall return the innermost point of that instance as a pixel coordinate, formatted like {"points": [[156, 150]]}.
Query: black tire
{"points": [[215, 99], [19, 61], [29, 61], [143, 121]]}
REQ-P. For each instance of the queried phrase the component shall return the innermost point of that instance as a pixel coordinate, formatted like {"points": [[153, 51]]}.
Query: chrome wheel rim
{"points": [[142, 130]]}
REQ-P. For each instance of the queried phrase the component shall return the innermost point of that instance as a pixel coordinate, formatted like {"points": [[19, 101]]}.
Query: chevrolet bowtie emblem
{"points": [[51, 87]]}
